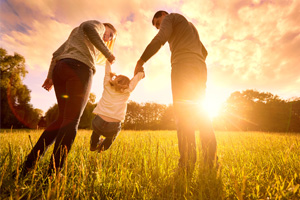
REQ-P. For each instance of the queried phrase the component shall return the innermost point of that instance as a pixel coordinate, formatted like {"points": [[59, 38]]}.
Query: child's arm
{"points": [[107, 72], [134, 81]]}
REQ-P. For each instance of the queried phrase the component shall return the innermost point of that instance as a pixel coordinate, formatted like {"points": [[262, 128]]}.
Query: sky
{"points": [[252, 44]]}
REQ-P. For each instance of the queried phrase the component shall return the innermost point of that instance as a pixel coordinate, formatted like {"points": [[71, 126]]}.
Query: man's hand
{"points": [[139, 66], [111, 59], [48, 84]]}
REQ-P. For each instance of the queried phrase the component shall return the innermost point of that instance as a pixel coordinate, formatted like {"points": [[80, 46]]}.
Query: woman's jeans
{"points": [[188, 89], [109, 130], [72, 83]]}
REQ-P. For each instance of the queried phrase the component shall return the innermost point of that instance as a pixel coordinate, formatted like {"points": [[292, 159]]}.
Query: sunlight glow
{"points": [[212, 106]]}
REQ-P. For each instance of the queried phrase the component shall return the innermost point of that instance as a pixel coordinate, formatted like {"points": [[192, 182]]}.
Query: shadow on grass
{"points": [[203, 183]]}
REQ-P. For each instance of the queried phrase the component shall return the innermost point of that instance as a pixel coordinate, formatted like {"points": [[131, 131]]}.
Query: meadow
{"points": [[142, 165]]}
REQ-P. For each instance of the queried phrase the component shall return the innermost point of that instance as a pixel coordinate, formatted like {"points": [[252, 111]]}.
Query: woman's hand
{"points": [[48, 84], [111, 59]]}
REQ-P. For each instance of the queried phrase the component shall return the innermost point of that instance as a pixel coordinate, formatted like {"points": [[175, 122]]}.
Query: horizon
{"points": [[248, 48]]}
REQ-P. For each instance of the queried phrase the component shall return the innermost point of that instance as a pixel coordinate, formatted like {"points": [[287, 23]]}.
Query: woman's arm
{"points": [[53, 61], [92, 32]]}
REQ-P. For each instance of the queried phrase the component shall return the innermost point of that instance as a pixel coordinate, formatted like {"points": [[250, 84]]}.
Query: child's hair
{"points": [[119, 82]]}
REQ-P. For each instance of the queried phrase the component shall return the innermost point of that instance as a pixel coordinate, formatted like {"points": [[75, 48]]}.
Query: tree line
{"points": [[139, 116], [248, 110], [251, 110]]}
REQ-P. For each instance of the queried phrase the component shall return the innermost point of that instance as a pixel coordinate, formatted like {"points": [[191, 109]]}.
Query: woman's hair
{"points": [[110, 44], [158, 14], [119, 82], [111, 27]]}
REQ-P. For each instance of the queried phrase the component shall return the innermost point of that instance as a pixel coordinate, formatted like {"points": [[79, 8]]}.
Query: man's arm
{"points": [[152, 48], [139, 67], [158, 41]]}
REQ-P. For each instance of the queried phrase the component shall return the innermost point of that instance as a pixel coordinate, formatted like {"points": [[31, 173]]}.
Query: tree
{"points": [[149, 116], [259, 111], [294, 107], [167, 121], [51, 114], [15, 96], [42, 122], [133, 119], [152, 114]]}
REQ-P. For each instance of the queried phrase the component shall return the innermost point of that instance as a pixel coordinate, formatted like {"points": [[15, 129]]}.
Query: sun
{"points": [[212, 106]]}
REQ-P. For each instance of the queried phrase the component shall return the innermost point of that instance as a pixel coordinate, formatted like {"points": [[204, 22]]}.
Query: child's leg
{"points": [[106, 143], [94, 141], [109, 130], [109, 138]]}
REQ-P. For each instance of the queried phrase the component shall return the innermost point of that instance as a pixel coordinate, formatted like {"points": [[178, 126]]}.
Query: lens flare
{"points": [[19, 112], [65, 96]]}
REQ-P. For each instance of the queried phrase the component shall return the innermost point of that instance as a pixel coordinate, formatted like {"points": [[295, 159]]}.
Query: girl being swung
{"points": [[111, 109]]}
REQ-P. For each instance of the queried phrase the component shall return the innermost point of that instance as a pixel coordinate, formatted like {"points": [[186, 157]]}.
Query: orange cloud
{"points": [[251, 44]]}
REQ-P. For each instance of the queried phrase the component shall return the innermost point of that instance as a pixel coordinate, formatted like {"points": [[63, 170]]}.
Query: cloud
{"points": [[38, 43], [252, 44]]}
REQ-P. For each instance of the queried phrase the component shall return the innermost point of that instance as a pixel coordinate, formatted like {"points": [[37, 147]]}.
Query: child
{"points": [[111, 109]]}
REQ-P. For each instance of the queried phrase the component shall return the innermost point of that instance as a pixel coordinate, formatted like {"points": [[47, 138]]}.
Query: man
{"points": [[188, 77]]}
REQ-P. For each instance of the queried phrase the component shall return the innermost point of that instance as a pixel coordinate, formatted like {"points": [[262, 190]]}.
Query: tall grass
{"points": [[142, 165]]}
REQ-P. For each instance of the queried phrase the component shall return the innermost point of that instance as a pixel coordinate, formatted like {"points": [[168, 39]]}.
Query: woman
{"points": [[71, 71]]}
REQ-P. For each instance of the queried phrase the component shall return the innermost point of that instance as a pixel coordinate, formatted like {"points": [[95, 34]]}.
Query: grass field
{"points": [[142, 165]]}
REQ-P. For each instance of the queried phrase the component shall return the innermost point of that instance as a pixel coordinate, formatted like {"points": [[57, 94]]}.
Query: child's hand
{"points": [[139, 66]]}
